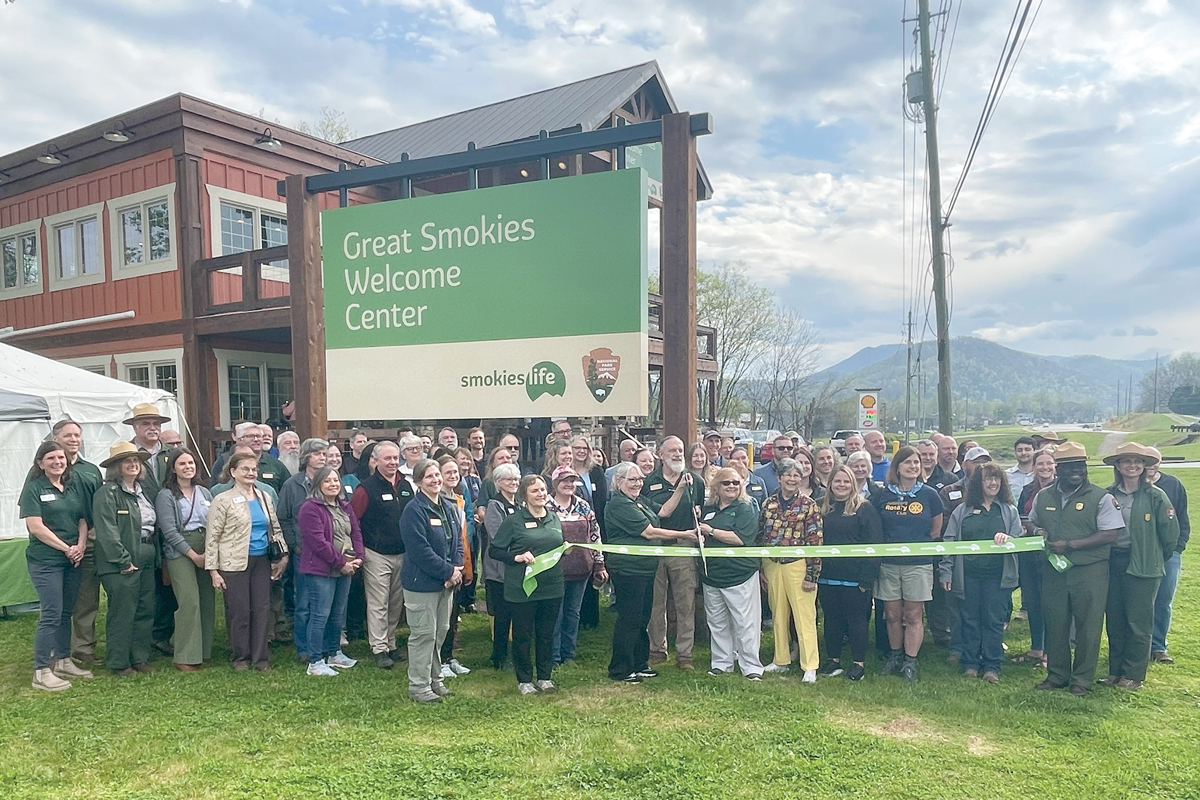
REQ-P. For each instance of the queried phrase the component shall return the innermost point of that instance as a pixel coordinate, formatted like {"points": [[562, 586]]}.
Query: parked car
{"points": [[763, 444], [838, 440]]}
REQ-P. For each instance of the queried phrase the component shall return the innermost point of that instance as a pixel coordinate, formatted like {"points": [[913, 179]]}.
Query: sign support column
{"points": [[678, 278], [308, 309]]}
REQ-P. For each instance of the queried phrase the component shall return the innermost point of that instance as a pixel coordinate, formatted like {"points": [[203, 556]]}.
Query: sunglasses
{"points": [[513, 448], [731, 483]]}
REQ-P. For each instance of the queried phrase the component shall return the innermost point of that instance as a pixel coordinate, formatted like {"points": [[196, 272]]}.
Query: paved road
{"points": [[1109, 445], [1181, 419]]}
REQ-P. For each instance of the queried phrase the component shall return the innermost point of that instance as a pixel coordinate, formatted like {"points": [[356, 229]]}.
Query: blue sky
{"points": [[1077, 231]]}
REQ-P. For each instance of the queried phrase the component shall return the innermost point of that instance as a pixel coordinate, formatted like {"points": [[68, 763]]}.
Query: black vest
{"points": [[380, 523]]}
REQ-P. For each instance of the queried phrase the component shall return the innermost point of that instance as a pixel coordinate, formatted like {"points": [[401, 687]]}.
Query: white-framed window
{"points": [[154, 375], [252, 386], [75, 247], [20, 260], [150, 369], [242, 222], [143, 232]]}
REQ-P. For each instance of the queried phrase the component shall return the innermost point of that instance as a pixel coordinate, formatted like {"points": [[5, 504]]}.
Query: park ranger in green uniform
{"points": [[674, 493], [1080, 522]]}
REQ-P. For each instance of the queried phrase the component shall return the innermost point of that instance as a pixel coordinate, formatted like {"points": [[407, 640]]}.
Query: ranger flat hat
{"points": [[145, 411], [1048, 436], [122, 450], [1070, 451], [1132, 450]]}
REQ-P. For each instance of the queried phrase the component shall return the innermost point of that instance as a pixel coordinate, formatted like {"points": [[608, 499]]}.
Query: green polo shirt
{"points": [[979, 525], [740, 518], [656, 490], [624, 521], [523, 531], [87, 479], [60, 512]]}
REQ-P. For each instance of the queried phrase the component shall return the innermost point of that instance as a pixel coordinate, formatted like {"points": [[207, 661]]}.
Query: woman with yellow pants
{"points": [[792, 519]]}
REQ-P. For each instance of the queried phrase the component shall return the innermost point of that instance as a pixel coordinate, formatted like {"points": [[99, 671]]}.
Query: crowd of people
{"points": [[318, 546]]}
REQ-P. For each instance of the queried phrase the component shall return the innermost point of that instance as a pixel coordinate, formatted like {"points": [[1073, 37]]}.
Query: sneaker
{"points": [[46, 680], [832, 668], [685, 664], [856, 673], [632, 677], [755, 676], [341, 660], [458, 668], [908, 671], [647, 673], [991, 676], [398, 655], [773, 668], [715, 671], [1161, 658], [424, 696], [439, 688], [321, 668], [66, 669], [970, 672], [384, 661], [447, 672], [526, 689], [545, 686], [810, 676], [892, 665], [1110, 680]]}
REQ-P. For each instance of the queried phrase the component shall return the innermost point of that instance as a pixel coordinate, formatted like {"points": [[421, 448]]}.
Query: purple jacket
{"points": [[317, 555]]}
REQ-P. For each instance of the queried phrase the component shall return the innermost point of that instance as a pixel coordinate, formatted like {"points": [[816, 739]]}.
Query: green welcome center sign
{"points": [[513, 301]]}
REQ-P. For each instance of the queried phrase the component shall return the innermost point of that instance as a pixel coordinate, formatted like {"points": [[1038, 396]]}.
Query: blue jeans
{"points": [[983, 611], [1162, 604], [566, 630], [324, 603], [57, 588], [300, 616], [1031, 596]]}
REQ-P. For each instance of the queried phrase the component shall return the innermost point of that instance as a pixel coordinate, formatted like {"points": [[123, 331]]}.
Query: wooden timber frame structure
{"points": [[677, 132]]}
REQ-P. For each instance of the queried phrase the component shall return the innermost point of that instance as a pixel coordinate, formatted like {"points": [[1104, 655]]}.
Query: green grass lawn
{"points": [[221, 734]]}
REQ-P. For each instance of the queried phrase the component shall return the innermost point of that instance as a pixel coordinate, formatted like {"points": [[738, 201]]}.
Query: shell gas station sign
{"points": [[868, 409]]}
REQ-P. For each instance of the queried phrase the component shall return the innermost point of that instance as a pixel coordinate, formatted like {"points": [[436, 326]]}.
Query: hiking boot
{"points": [[65, 668], [424, 696], [908, 671], [384, 661], [893, 663], [46, 680], [685, 664]]}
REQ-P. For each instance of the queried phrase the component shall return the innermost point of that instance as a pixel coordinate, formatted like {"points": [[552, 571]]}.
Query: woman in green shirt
{"points": [[124, 519], [628, 520], [57, 525], [732, 600], [533, 530]]}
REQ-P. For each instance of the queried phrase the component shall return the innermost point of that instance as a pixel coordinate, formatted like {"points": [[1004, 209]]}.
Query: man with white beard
{"points": [[674, 493], [289, 451]]}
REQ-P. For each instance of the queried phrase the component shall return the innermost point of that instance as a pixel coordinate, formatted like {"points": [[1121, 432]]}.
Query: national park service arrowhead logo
{"points": [[600, 371]]}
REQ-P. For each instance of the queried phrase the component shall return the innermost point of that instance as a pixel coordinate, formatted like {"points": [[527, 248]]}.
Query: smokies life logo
{"points": [[545, 377]]}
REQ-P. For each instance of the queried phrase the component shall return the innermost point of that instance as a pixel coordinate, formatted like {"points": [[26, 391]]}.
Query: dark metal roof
{"points": [[587, 103], [583, 105]]}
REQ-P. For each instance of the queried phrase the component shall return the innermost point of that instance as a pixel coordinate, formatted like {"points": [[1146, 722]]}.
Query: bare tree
{"points": [[787, 360], [332, 126]]}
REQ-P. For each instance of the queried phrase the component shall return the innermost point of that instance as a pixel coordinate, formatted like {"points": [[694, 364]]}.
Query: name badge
{"points": [[530, 524], [387, 497], [405, 493], [267, 475], [1051, 508], [977, 511], [710, 515], [46, 498], [1079, 506], [238, 500], [656, 487], [754, 487], [955, 496], [435, 522], [122, 511]]}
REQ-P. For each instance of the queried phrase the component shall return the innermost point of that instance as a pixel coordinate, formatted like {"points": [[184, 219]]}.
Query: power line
{"points": [[1014, 44]]}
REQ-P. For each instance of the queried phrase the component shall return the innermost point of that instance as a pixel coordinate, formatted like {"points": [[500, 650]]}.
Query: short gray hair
{"points": [[242, 427], [506, 471], [622, 471], [786, 465], [858, 455], [309, 447], [409, 441]]}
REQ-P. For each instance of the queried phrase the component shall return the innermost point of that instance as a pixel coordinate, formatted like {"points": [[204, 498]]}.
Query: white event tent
{"points": [[34, 392]]}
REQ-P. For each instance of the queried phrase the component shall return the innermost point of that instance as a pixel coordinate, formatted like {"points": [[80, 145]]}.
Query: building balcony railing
{"points": [[249, 281]]}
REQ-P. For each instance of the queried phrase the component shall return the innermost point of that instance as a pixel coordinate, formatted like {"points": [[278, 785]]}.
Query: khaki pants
{"points": [[385, 599], [734, 620], [676, 575], [428, 622], [87, 604], [785, 592]]}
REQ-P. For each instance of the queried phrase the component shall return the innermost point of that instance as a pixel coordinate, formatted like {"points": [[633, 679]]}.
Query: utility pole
{"points": [[1154, 410], [908, 382], [936, 226]]}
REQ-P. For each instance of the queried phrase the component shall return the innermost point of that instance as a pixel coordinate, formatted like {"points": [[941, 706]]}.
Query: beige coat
{"points": [[227, 538]]}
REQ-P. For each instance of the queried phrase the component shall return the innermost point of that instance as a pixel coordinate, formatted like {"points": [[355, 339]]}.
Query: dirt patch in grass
{"points": [[904, 727], [979, 746]]}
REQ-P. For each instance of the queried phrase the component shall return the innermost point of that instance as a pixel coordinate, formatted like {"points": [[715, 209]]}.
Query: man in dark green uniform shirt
{"points": [[147, 423]]}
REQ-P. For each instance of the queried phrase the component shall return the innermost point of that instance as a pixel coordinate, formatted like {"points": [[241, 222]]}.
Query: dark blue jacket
{"points": [[432, 544]]}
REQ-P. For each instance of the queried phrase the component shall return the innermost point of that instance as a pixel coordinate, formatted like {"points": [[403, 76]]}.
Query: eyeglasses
{"points": [[635, 480], [784, 448], [731, 483], [513, 448]]}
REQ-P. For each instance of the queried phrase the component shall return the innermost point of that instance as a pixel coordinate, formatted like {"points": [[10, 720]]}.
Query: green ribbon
{"points": [[912, 549], [1059, 562]]}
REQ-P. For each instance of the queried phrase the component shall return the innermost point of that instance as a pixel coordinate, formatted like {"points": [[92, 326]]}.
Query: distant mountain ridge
{"points": [[986, 371]]}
